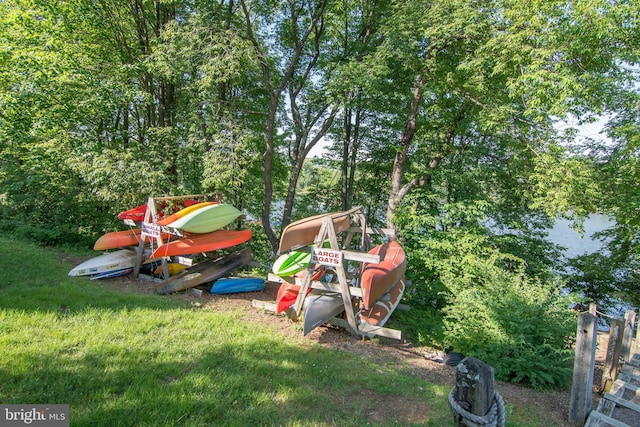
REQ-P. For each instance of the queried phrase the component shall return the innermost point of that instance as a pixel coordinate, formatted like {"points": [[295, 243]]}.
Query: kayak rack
{"points": [[334, 257], [150, 228]]}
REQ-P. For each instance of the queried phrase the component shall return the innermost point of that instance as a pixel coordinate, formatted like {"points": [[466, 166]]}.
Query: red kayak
{"points": [[137, 213], [378, 279], [202, 242], [288, 292], [287, 296]]}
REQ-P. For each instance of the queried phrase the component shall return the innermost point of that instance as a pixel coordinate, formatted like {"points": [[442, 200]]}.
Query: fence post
{"points": [[636, 344], [627, 337], [614, 347], [474, 397], [583, 367]]}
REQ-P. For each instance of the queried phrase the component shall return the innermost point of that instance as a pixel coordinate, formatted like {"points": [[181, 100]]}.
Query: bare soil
{"points": [[550, 408]]}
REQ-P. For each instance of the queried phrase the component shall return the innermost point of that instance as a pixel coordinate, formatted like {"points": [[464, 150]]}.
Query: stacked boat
{"points": [[199, 227], [381, 284]]}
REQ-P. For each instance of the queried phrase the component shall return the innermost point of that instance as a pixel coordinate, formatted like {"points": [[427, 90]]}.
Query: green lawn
{"points": [[135, 360]]}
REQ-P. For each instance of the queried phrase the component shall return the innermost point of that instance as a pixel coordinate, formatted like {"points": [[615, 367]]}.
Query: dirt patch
{"points": [[549, 408]]}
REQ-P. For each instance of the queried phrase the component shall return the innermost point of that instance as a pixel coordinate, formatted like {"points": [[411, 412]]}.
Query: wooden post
{"points": [[583, 366], [610, 371], [636, 344], [627, 336], [474, 389]]}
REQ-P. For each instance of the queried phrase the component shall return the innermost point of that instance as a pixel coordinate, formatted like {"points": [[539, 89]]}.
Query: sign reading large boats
{"points": [[326, 256]]}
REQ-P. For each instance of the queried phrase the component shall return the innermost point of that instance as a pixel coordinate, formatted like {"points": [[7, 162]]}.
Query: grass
{"points": [[122, 359]]}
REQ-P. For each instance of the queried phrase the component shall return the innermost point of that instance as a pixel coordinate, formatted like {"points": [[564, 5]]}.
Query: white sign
{"points": [[326, 256], [150, 229]]}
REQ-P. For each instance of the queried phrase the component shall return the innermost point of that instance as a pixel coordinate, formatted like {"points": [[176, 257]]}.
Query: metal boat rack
{"points": [[338, 254]]}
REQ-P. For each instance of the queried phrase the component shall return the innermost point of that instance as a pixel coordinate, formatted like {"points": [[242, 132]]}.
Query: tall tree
{"points": [[287, 38]]}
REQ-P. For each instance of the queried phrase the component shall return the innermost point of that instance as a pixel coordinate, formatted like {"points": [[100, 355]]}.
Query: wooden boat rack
{"points": [[151, 229], [340, 252]]}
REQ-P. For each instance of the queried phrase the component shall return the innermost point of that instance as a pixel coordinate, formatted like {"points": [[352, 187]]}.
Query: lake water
{"points": [[575, 243]]}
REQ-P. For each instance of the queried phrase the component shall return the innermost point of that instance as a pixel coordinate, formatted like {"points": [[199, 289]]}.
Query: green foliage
{"points": [[490, 307], [519, 326]]}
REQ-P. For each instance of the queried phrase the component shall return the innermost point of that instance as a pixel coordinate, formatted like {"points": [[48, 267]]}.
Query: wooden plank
{"points": [[597, 419], [631, 370], [627, 336], [369, 330], [264, 305], [582, 385], [622, 402], [608, 406], [628, 378], [332, 287], [614, 348], [369, 230]]}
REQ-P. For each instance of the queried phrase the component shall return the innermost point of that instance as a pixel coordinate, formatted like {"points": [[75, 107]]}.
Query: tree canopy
{"points": [[446, 120]]}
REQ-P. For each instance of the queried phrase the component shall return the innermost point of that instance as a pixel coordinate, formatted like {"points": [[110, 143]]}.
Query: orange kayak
{"points": [[120, 239], [202, 242], [378, 279]]}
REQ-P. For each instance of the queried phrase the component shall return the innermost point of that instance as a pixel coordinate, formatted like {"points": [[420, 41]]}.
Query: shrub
{"points": [[491, 308]]}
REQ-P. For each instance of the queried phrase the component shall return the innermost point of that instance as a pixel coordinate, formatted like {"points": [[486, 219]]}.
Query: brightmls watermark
{"points": [[34, 415]]}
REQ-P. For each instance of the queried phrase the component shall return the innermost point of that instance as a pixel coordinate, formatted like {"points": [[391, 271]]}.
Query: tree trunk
{"points": [[401, 154], [344, 169]]}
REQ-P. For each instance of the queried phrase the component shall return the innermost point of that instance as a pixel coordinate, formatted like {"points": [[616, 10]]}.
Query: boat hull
{"points": [[112, 261], [378, 279], [117, 239], [288, 292], [287, 296], [319, 308], [303, 232], [112, 274], [204, 242], [205, 272], [291, 263], [207, 219], [234, 285], [382, 309], [183, 212], [120, 239]]}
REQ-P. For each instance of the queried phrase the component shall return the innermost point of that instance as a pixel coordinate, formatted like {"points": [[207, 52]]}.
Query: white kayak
{"points": [[319, 308], [110, 261]]}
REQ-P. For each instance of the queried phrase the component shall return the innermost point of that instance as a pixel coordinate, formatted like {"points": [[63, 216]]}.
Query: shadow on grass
{"points": [[245, 382]]}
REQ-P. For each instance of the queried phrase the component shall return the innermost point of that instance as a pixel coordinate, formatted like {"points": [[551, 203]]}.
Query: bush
{"points": [[491, 309], [517, 325]]}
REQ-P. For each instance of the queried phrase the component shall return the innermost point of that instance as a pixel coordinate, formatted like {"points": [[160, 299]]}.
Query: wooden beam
{"points": [[583, 366], [597, 419]]}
